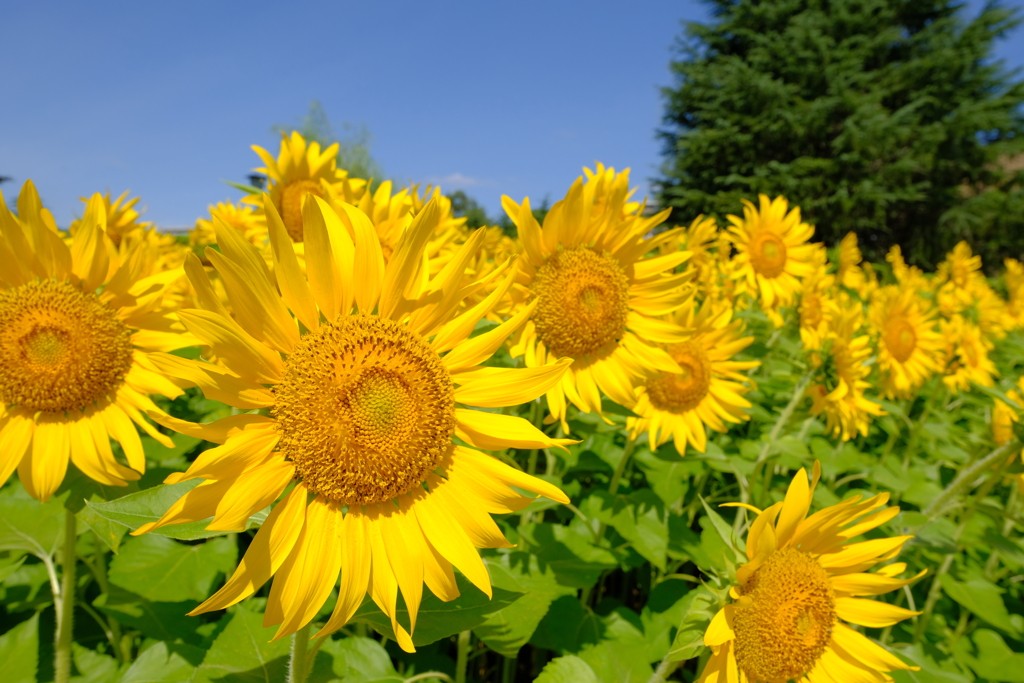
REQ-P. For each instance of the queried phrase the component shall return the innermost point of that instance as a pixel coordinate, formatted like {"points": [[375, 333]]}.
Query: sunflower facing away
{"points": [[594, 296], [78, 326], [364, 372], [709, 390], [967, 355], [803, 579], [243, 218], [910, 346], [773, 252]]}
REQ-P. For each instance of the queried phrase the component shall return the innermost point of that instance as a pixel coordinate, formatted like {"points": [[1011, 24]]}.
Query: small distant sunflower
{"points": [[909, 346], [1003, 418], [967, 351], [909, 277], [300, 169], [848, 270], [1015, 292], [78, 326], [815, 295], [245, 219], [368, 373], [773, 252], [700, 238], [840, 394], [596, 299], [804, 578], [122, 217], [709, 390]]}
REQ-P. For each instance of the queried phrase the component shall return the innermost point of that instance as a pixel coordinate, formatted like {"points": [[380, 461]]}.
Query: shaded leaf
{"points": [[567, 669], [19, 652], [162, 570]]}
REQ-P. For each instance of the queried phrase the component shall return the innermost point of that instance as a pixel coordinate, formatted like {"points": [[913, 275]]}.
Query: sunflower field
{"points": [[609, 448]]}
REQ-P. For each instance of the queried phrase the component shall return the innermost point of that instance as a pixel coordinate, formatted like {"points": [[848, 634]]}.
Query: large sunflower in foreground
{"points": [[594, 296], [301, 168], [709, 390], [803, 579], [840, 391], [364, 369], [772, 249], [909, 346], [78, 325]]}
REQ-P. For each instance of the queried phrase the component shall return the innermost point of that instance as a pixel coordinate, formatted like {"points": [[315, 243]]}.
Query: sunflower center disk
{"points": [[786, 627], [60, 349], [768, 254], [366, 410], [900, 339], [583, 301], [685, 391], [291, 205]]}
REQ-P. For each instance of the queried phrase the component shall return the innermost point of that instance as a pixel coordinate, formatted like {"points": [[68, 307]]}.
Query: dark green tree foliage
{"points": [[465, 206], [885, 117]]}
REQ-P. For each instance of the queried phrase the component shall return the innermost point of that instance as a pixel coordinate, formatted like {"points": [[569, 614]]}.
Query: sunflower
{"points": [[848, 270], [772, 247], [78, 327], [840, 393], [361, 370], [594, 296], [966, 355], [699, 238], [245, 219], [709, 390], [910, 277], [910, 347], [1015, 289], [122, 217], [803, 579], [1003, 418], [816, 293], [300, 169]]}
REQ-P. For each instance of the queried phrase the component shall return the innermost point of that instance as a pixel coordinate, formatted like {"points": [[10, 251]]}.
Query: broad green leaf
{"points": [[992, 658], [10, 565], [149, 505], [158, 620], [569, 551], [725, 532], [622, 653], [700, 606], [508, 629], [567, 627], [667, 473], [94, 667], [26, 524], [640, 518], [109, 533], [982, 598], [360, 660], [162, 570], [567, 669], [164, 663], [437, 619], [19, 652], [243, 653], [661, 616]]}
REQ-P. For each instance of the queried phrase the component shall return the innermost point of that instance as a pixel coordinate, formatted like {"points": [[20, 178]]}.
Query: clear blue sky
{"points": [[165, 99]]}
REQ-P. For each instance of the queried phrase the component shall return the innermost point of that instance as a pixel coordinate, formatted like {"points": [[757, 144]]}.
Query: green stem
{"points": [[775, 433], [508, 670], [100, 572], [298, 668], [933, 597], [664, 670], [463, 658], [66, 602], [967, 476]]}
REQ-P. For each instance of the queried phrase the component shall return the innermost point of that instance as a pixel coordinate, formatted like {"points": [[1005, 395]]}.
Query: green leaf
{"points": [[243, 653], [508, 629], [700, 608], [992, 658], [640, 518], [94, 667], [164, 663], [9, 569], [361, 660], [982, 598], [149, 505], [996, 393], [567, 627], [19, 652], [437, 619], [569, 551], [611, 407], [26, 524], [162, 570], [110, 533], [158, 620], [567, 669], [248, 189], [725, 532], [621, 656]]}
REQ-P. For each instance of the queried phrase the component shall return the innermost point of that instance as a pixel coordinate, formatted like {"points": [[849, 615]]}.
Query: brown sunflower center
{"points": [[900, 339], [583, 301], [683, 391], [768, 254], [60, 348], [787, 625], [366, 410], [291, 204]]}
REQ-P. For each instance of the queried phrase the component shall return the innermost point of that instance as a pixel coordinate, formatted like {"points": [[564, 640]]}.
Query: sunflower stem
{"points": [[965, 479], [773, 435], [462, 664], [664, 670], [508, 670], [297, 664], [65, 602]]}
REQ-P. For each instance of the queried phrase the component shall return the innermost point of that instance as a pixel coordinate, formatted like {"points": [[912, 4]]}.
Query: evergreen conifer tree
{"points": [[884, 117]]}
